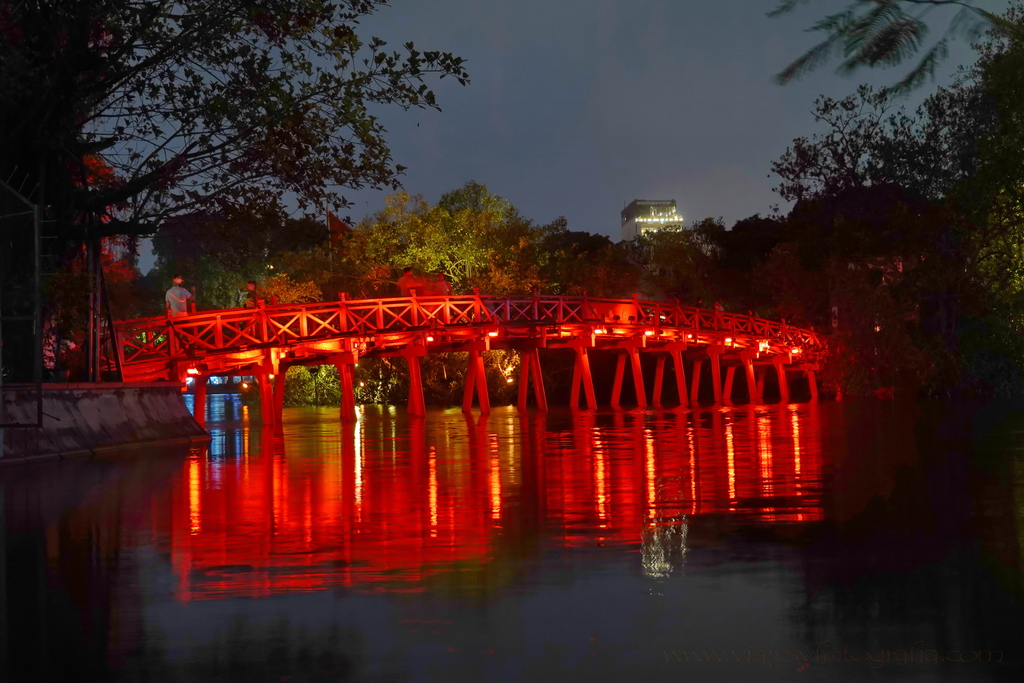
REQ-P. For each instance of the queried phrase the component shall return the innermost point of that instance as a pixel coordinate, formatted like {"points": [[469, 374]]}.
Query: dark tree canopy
{"points": [[199, 104], [885, 33]]}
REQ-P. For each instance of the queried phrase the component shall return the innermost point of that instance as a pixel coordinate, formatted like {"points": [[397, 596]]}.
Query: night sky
{"points": [[576, 107]]}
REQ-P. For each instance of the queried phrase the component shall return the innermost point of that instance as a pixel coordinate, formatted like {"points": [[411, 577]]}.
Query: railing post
{"points": [[343, 311], [172, 337], [218, 332]]}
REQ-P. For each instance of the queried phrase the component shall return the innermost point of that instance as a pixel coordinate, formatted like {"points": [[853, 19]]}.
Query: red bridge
{"points": [[265, 341]]}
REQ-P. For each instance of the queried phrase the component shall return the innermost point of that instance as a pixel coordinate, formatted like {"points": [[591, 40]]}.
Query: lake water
{"points": [[854, 541]]}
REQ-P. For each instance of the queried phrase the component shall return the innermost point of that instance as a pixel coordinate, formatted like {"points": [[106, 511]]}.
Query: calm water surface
{"points": [[829, 542]]}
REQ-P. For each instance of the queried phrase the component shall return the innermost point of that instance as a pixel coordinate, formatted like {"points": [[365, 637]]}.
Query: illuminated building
{"points": [[644, 215]]}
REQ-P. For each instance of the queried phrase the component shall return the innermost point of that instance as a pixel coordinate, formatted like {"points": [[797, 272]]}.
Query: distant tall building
{"points": [[644, 215]]}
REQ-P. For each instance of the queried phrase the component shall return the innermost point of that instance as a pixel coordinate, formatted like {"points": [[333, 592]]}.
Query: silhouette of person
{"points": [[251, 296], [176, 299], [440, 287], [408, 282]]}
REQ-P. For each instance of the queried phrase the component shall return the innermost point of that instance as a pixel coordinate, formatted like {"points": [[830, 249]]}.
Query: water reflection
{"points": [[574, 544], [384, 501]]}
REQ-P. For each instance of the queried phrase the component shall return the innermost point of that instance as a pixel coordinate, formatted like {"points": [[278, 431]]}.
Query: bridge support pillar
{"points": [[812, 383], [529, 366], [476, 378], [780, 370], [280, 379], [730, 374], [677, 363], [199, 396], [346, 378], [581, 375], [638, 378], [266, 398], [417, 406], [760, 386], [695, 382], [716, 376], [752, 387], [659, 378], [620, 370]]}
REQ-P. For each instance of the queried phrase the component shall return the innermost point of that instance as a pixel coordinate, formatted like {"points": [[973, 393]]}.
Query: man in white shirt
{"points": [[177, 299]]}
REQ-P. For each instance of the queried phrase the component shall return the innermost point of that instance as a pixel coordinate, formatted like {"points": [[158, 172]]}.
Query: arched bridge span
{"points": [[266, 340]]}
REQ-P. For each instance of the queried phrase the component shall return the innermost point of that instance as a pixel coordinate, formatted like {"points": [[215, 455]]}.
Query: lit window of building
{"points": [[644, 215]]}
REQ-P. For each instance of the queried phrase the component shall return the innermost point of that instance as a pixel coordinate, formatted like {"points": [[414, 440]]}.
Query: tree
{"points": [[201, 103], [225, 106], [681, 262], [885, 33], [845, 156]]}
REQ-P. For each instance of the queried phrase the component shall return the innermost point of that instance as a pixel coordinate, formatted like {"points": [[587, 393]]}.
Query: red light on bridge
{"points": [[192, 371], [728, 340], [796, 350], [430, 339], [649, 333], [689, 336], [600, 330], [492, 334]]}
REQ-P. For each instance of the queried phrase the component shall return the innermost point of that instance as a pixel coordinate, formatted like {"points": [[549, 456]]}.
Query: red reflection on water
{"points": [[372, 509]]}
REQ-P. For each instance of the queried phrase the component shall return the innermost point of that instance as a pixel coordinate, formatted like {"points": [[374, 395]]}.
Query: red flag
{"points": [[337, 227]]}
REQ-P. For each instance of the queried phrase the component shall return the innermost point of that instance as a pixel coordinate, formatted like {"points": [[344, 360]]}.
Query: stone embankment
{"points": [[88, 419]]}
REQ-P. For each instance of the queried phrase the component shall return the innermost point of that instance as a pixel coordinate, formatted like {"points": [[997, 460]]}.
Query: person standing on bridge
{"points": [[409, 283], [177, 298], [252, 298], [440, 287]]}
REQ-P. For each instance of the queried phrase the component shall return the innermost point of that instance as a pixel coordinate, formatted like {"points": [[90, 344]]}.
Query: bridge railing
{"points": [[152, 339]]}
